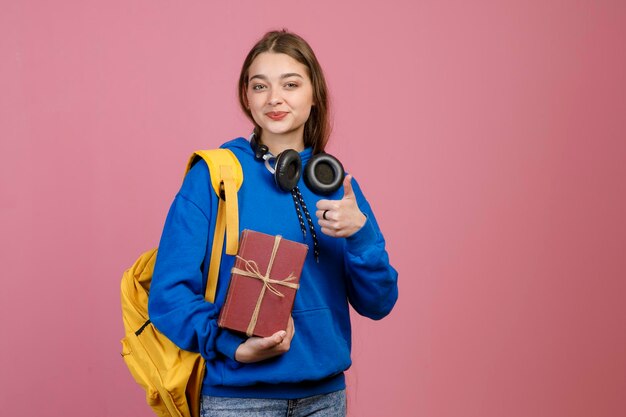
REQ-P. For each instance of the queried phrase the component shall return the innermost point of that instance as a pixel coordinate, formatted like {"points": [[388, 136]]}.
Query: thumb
{"points": [[348, 192], [271, 341]]}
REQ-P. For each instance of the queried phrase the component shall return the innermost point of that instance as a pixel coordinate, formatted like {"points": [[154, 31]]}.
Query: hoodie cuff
{"points": [[227, 343], [363, 238]]}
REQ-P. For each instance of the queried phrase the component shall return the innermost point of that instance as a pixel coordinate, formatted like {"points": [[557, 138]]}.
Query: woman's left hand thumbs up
{"points": [[341, 218]]}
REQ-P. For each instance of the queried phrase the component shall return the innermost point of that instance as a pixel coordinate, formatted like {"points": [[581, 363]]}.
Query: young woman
{"points": [[298, 370]]}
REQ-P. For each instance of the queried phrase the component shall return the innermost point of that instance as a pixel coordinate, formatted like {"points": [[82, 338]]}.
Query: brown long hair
{"points": [[317, 127]]}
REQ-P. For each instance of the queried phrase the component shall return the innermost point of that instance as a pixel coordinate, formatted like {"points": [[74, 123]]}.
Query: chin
{"points": [[279, 131]]}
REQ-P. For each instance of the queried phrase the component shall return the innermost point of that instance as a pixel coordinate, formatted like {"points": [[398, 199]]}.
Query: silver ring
{"points": [[324, 215]]}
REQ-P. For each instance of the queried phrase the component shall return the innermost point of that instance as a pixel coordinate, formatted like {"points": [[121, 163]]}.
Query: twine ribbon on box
{"points": [[252, 270]]}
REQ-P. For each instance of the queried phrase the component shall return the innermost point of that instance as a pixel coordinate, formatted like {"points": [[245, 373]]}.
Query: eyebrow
{"points": [[287, 75]]}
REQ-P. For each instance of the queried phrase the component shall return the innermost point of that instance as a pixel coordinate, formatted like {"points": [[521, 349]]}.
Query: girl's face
{"points": [[280, 96]]}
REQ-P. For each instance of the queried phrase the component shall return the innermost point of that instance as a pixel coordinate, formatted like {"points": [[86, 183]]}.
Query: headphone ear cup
{"points": [[324, 174], [288, 169]]}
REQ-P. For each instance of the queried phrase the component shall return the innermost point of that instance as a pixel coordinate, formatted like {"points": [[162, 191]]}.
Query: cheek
{"points": [[305, 104], [253, 106], [307, 99], [306, 113], [255, 103]]}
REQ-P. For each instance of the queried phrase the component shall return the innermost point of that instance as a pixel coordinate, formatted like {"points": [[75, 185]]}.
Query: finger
{"points": [[329, 232], [348, 192], [328, 224], [279, 336], [270, 342], [324, 217], [326, 205]]}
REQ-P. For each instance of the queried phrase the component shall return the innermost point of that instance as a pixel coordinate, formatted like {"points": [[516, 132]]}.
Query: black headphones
{"points": [[323, 174]]}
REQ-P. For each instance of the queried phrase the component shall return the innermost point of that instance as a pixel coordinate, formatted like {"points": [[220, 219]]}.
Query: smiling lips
{"points": [[276, 115]]}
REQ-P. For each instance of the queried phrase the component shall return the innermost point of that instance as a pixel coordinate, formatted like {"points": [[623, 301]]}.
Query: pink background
{"points": [[488, 136]]}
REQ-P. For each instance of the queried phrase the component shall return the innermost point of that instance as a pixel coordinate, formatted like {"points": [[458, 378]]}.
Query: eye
{"points": [[258, 87], [291, 85]]}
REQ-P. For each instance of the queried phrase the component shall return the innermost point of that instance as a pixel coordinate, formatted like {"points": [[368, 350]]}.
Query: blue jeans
{"points": [[326, 405]]}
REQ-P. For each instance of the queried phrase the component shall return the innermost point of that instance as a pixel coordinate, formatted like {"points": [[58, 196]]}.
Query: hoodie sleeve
{"points": [[372, 281], [176, 303]]}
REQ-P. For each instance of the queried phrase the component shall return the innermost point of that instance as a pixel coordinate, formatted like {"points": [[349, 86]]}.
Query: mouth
{"points": [[276, 115]]}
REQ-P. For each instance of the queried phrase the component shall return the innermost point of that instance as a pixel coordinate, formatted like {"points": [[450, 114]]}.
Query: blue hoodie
{"points": [[353, 270]]}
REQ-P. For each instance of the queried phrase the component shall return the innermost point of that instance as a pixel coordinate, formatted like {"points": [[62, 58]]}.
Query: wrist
{"points": [[359, 223]]}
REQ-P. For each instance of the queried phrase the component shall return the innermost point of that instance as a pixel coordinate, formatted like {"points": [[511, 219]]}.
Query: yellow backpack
{"points": [[172, 377]]}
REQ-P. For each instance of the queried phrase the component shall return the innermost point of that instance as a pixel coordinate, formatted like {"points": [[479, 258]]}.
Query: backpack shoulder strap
{"points": [[226, 179], [215, 158]]}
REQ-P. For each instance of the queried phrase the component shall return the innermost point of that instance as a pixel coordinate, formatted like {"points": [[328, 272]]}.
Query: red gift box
{"points": [[263, 284]]}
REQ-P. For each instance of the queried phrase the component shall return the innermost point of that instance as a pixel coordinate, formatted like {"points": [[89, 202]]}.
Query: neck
{"points": [[281, 142]]}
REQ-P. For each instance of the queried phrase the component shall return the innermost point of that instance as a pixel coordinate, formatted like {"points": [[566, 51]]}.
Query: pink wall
{"points": [[489, 136]]}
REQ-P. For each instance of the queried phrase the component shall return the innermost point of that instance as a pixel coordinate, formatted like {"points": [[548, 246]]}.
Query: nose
{"points": [[275, 99]]}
